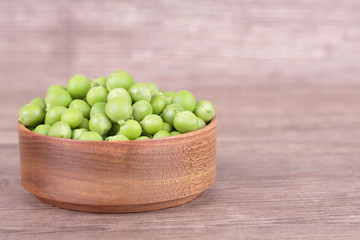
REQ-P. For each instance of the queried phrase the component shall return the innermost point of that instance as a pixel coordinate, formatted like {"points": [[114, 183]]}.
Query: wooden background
{"points": [[284, 79]]}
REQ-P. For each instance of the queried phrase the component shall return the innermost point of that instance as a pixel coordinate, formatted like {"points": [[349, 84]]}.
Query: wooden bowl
{"points": [[128, 176]]}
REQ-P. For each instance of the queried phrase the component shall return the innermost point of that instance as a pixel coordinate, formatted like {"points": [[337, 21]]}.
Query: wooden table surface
{"points": [[284, 79]]}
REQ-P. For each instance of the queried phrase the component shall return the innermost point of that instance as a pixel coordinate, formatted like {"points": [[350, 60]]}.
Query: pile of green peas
{"points": [[114, 109]]}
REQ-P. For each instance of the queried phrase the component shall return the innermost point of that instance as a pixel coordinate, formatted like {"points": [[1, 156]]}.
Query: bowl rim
{"points": [[208, 127]]}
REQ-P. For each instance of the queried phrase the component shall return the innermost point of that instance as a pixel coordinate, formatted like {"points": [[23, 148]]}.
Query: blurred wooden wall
{"points": [[202, 43]]}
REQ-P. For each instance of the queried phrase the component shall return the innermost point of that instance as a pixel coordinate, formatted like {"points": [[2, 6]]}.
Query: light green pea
{"points": [[42, 129], [90, 136], [31, 115], [77, 132], [60, 130], [117, 138], [81, 105]]}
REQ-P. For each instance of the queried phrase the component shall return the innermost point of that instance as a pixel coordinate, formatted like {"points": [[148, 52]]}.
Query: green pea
{"points": [[119, 92], [117, 138], [168, 96], [60, 130], [97, 94], [118, 109], [167, 127], [100, 123], [153, 88], [57, 97], [140, 91], [185, 99], [131, 129], [115, 128], [186, 121], [84, 123], [142, 138], [73, 117], [42, 129], [97, 108], [201, 123], [204, 110], [120, 79], [170, 111], [158, 103], [175, 133], [90, 136], [54, 114], [78, 86], [31, 115], [151, 124], [55, 86], [140, 109], [162, 134], [39, 101], [81, 105], [100, 81], [77, 132]]}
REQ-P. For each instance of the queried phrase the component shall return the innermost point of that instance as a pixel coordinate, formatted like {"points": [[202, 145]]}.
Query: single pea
{"points": [[185, 99], [175, 133], [151, 123], [55, 86], [153, 88], [90, 136], [167, 127], [120, 79], [97, 108], [77, 132], [39, 101], [97, 94], [169, 112], [57, 97], [60, 130], [201, 123], [42, 129], [115, 128], [140, 109], [168, 96], [31, 115], [131, 129], [186, 121], [140, 91], [162, 134], [119, 92], [54, 114], [73, 117], [81, 105], [117, 138], [100, 81], [84, 123], [78, 86], [204, 110], [158, 103], [142, 138], [118, 109], [100, 123]]}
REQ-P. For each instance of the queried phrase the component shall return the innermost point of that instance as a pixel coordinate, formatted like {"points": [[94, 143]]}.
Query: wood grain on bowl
{"points": [[125, 176]]}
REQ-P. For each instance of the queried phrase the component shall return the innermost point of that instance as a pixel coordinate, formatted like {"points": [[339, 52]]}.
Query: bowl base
{"points": [[118, 208]]}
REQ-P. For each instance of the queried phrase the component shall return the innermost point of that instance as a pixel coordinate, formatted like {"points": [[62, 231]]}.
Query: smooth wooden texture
{"points": [[125, 176], [283, 77]]}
